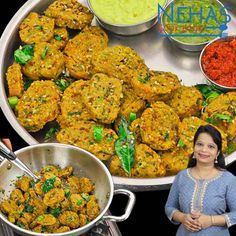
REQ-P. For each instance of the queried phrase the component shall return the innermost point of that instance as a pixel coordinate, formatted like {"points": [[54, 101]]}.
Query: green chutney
{"points": [[185, 22], [126, 12]]}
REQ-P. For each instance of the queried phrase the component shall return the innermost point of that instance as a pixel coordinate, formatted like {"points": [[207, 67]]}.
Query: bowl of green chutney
{"points": [[126, 17], [191, 25]]}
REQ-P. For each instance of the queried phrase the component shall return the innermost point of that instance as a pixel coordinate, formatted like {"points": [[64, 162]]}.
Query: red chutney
{"points": [[219, 61]]}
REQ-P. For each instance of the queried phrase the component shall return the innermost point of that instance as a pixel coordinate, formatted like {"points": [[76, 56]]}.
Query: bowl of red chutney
{"points": [[218, 63]]}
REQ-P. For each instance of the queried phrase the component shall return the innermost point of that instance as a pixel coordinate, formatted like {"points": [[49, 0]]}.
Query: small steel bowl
{"points": [[125, 29], [209, 80], [183, 45]]}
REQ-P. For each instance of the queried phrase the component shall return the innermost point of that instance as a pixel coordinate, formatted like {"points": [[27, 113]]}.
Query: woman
{"points": [[202, 198]]}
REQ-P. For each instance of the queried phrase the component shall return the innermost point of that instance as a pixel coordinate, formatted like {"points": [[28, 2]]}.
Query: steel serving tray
{"points": [[158, 52]]}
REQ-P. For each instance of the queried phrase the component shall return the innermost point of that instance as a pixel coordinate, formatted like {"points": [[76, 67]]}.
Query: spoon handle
{"points": [[23, 167], [6, 153]]}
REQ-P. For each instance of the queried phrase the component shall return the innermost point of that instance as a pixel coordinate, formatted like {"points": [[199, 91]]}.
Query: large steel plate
{"points": [[158, 52]]}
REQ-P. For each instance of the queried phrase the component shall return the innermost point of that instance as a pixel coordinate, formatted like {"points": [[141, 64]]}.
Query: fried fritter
{"points": [[158, 86], [38, 105], [53, 197], [47, 62], [36, 28], [70, 219], [159, 126], [135, 129], [83, 136], [221, 112], [187, 129], [80, 49], [85, 185], [147, 164], [131, 103], [174, 160], [116, 169], [121, 62], [102, 97], [62, 229], [93, 208], [69, 13], [72, 108], [15, 80], [186, 101], [60, 38]]}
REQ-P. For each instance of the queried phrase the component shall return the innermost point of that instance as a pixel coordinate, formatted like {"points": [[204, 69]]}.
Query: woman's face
{"points": [[205, 149]]}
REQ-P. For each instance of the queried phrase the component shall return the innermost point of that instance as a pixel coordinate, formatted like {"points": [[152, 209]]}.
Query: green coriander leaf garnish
{"points": [[132, 117], [85, 196], [48, 184], [44, 52], [58, 37], [67, 193], [110, 138], [12, 101], [55, 212], [231, 148], [166, 135], [218, 117], [50, 133], [180, 143], [24, 54], [28, 208], [74, 113], [98, 133], [39, 27], [79, 202]]}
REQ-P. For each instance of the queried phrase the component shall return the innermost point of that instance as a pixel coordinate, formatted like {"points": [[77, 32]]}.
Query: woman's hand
{"points": [[7, 142], [191, 223], [205, 221]]}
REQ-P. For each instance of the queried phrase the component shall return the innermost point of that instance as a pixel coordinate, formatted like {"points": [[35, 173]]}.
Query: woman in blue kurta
{"points": [[202, 198]]}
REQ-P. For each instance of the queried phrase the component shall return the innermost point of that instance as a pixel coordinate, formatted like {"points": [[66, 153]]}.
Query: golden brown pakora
{"points": [[38, 105], [80, 50], [47, 62], [14, 79], [158, 126], [102, 98], [36, 28], [69, 13]]}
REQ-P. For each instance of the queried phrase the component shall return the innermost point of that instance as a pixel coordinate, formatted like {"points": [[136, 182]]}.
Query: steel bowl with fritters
{"points": [[84, 163]]}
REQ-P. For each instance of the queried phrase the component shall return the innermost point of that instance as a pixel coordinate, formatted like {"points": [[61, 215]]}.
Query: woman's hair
{"points": [[216, 136]]}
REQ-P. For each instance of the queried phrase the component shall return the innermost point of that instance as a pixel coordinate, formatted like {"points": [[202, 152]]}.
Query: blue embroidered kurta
{"points": [[215, 196]]}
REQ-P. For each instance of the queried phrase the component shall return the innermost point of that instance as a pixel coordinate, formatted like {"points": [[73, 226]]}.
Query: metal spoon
{"points": [[6, 153]]}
